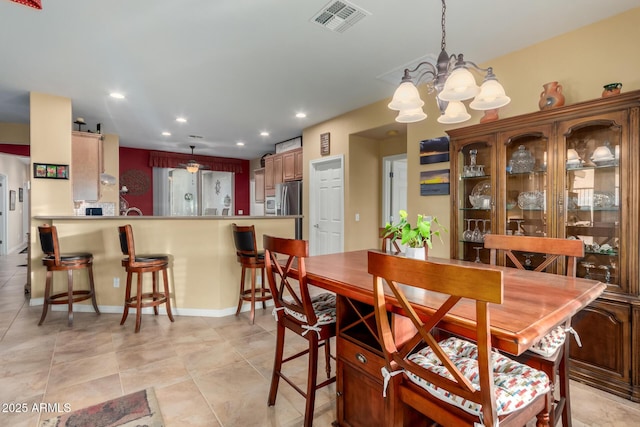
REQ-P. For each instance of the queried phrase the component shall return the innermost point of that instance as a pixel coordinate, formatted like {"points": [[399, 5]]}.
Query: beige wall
{"points": [[582, 61], [14, 133]]}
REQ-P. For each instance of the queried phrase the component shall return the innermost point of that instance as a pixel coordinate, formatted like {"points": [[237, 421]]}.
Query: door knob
{"points": [[316, 225]]}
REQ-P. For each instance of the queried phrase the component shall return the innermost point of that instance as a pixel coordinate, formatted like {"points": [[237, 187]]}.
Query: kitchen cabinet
{"points": [[258, 177], [569, 172], [298, 164], [292, 165], [282, 167], [86, 166], [269, 179]]}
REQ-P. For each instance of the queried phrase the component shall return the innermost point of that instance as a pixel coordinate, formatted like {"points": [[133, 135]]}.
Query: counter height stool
{"points": [[56, 261], [248, 256], [551, 353], [139, 264]]}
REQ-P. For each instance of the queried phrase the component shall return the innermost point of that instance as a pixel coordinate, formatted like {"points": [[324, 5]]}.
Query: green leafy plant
{"points": [[418, 236]]}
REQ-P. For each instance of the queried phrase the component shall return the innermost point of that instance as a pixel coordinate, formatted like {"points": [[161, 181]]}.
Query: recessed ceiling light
{"points": [[301, 115], [181, 120], [116, 95], [240, 144], [263, 133], [166, 133]]}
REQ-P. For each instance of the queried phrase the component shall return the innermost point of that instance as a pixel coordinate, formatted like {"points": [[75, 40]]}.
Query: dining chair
{"points": [[389, 243], [225, 211], [247, 254], [312, 318], [551, 353], [54, 260], [139, 264], [454, 381]]}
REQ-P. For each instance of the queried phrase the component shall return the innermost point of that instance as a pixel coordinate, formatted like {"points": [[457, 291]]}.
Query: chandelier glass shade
{"points": [[452, 80], [192, 167]]}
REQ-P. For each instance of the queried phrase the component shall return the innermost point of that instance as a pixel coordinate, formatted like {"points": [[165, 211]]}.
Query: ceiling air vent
{"points": [[339, 16]]}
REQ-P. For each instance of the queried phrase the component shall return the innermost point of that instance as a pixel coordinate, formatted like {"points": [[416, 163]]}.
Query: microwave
{"points": [[270, 205]]}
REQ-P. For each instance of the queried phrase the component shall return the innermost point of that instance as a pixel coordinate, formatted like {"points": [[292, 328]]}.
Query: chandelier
{"points": [[453, 83]]}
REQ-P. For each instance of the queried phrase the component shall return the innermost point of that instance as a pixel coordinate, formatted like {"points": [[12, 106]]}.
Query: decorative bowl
{"points": [[603, 199], [480, 202], [531, 200]]}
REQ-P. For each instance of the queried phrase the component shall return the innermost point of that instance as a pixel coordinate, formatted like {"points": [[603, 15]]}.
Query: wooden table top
{"points": [[534, 303]]}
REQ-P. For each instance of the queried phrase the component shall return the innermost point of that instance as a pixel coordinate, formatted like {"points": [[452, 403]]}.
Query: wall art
{"points": [[435, 150], [434, 183], [51, 171]]}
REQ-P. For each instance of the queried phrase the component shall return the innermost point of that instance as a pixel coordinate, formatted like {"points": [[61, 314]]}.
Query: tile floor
{"points": [[206, 371]]}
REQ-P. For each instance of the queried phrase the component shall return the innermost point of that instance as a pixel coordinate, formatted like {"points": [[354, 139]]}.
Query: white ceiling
{"points": [[234, 68]]}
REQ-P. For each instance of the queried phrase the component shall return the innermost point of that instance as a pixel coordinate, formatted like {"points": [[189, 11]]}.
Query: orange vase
{"points": [[611, 89], [552, 96]]}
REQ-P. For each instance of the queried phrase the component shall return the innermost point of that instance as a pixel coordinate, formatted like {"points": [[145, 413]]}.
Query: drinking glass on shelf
{"points": [[477, 234], [468, 234], [528, 264], [486, 229], [519, 230], [587, 266], [477, 248], [607, 273]]}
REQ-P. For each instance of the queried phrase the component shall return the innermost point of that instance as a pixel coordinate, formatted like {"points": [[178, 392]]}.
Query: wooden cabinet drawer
{"points": [[361, 358]]}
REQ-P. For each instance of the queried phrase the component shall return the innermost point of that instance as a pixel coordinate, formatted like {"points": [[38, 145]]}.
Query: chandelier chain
{"points": [[443, 43]]}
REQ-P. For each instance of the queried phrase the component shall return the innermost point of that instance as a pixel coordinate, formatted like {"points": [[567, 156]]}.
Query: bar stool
{"points": [[55, 261], [140, 264], [249, 258]]}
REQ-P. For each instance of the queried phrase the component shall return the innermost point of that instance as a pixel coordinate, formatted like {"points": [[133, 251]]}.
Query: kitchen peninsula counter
{"points": [[204, 275]]}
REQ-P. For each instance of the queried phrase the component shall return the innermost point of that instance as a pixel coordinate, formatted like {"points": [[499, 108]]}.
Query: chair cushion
{"points": [[151, 257], [325, 307], [72, 256], [516, 385], [550, 343]]}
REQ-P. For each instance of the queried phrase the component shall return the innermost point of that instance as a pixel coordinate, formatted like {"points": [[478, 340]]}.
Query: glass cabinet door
{"points": [[525, 203], [593, 196], [475, 198]]}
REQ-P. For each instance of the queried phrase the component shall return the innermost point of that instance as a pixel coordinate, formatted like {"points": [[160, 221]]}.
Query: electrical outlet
{"points": [[116, 282], [240, 212], [357, 217]]}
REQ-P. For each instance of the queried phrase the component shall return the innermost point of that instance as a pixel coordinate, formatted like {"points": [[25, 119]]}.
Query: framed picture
{"points": [[434, 183], [434, 150], [51, 171], [20, 195], [325, 144], [12, 200]]}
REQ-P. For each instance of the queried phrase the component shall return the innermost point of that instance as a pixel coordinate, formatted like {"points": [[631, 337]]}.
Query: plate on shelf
{"points": [[606, 162]]}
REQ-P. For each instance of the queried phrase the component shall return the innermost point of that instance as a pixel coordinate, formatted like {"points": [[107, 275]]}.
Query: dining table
{"points": [[533, 304]]}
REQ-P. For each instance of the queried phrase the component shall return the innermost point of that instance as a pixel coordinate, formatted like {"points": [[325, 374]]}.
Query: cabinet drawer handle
{"points": [[361, 358]]}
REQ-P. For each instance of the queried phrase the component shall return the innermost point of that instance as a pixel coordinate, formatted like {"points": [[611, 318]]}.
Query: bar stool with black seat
{"points": [[139, 264], [312, 318], [551, 353], [56, 261], [247, 254]]}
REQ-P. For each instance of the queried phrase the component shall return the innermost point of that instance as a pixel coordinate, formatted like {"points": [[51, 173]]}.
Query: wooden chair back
{"points": [[287, 292], [553, 248], [49, 242], [389, 243], [406, 275]]}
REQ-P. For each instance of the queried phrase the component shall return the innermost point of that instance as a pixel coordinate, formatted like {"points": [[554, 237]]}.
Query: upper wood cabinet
{"points": [[299, 164], [570, 172], [282, 167], [258, 176], [86, 166]]}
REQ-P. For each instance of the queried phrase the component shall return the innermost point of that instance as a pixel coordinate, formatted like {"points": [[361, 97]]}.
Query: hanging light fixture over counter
{"points": [[453, 83]]}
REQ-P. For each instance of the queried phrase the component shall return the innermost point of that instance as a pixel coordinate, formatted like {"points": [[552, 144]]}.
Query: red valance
{"points": [[164, 159], [36, 4]]}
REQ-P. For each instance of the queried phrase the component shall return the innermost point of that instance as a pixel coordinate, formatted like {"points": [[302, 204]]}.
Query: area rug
{"points": [[139, 409]]}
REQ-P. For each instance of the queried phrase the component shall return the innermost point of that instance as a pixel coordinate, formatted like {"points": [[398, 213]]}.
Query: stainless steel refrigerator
{"points": [[289, 202]]}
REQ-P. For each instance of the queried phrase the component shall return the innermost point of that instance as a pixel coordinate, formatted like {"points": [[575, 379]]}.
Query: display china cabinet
{"points": [[570, 172]]}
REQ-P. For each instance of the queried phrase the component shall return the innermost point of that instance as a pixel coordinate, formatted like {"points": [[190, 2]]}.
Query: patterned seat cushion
{"points": [[550, 343], [325, 307], [516, 385]]}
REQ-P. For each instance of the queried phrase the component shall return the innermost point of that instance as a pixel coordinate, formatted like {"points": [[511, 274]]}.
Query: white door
{"points": [[326, 206], [394, 187]]}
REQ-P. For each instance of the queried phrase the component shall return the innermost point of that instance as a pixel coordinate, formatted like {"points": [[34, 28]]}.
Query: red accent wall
{"points": [[135, 158], [19, 150]]}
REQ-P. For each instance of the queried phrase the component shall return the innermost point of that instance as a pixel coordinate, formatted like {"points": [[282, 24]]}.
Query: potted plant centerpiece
{"points": [[416, 238]]}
